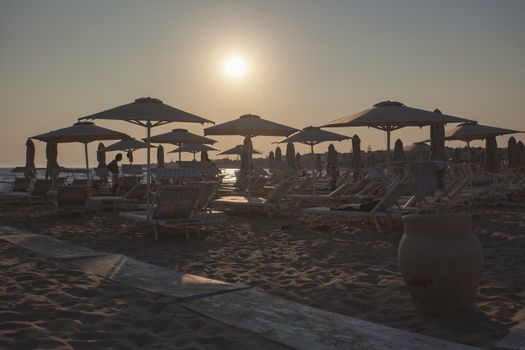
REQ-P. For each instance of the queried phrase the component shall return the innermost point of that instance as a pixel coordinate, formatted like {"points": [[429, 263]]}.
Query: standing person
{"points": [[113, 168], [334, 175]]}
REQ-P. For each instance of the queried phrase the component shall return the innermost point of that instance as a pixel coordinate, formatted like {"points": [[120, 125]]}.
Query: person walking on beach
{"points": [[113, 168]]}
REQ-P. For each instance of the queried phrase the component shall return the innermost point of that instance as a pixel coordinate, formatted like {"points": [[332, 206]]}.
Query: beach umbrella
{"points": [[250, 126], [331, 156], [356, 152], [236, 151], [180, 137], [491, 154], [30, 159], [194, 149], [83, 132], [298, 161], [52, 167], [399, 154], [521, 154], [160, 157], [149, 113], [290, 154], [512, 150], [471, 131], [101, 155], [390, 115], [129, 146], [271, 160], [278, 154], [246, 156], [204, 156]]}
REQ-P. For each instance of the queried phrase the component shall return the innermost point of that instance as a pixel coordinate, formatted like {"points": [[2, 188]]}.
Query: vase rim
{"points": [[434, 217]]}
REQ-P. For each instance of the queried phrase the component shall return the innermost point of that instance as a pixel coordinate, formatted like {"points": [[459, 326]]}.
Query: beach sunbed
{"points": [[71, 198], [269, 204], [386, 207], [38, 190], [172, 207]]}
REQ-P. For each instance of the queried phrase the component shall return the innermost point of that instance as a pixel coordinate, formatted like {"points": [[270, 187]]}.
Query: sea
{"points": [[7, 176]]}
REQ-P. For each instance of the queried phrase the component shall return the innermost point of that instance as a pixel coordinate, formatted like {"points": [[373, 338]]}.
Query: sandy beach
{"points": [[348, 269]]}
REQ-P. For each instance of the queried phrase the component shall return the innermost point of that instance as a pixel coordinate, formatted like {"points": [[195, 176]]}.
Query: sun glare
{"points": [[235, 67]]}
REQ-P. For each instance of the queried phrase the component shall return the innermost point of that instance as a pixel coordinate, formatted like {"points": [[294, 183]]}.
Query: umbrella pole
{"points": [[180, 153], [194, 155], [148, 175], [87, 160], [388, 146], [313, 167]]}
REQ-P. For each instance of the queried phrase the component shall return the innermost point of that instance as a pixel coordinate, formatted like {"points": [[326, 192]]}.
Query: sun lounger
{"points": [[131, 170], [386, 207], [70, 198], [172, 208], [269, 204], [38, 190]]}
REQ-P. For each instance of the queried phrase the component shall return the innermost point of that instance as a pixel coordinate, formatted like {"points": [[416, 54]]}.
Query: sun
{"points": [[235, 67]]}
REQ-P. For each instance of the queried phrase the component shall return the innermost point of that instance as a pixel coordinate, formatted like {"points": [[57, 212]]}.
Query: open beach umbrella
{"points": [[149, 113], [512, 151], [237, 151], [250, 126], [30, 159], [83, 132], [194, 149], [160, 157], [491, 154], [471, 131], [52, 167], [356, 152], [180, 137], [399, 154], [290, 154], [101, 155], [278, 154], [271, 160], [129, 146], [390, 115]]}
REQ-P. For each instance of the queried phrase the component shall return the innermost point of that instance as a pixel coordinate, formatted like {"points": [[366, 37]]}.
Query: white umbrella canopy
{"points": [[83, 132], [180, 137], [391, 115], [473, 131], [237, 151]]}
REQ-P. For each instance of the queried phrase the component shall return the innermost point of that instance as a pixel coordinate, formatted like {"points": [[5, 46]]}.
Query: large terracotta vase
{"points": [[441, 261]]}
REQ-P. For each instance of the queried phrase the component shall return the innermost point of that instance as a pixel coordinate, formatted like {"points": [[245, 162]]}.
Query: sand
{"points": [[45, 304], [336, 266]]}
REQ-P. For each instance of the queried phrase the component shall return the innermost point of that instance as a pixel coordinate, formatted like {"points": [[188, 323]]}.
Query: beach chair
{"points": [[21, 184], [70, 198], [135, 195], [38, 190], [334, 195], [131, 170], [172, 207], [387, 207], [269, 204]]}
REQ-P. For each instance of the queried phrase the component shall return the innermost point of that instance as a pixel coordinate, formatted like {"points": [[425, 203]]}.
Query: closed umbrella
{"points": [[271, 160], [512, 150], [356, 152], [160, 157], [399, 154], [298, 161], [521, 154], [278, 154], [101, 155], [391, 115], [491, 154], [129, 146], [290, 155], [246, 156], [30, 171], [249, 126], [437, 141], [52, 167], [83, 132], [332, 156], [180, 137], [194, 149], [204, 156]]}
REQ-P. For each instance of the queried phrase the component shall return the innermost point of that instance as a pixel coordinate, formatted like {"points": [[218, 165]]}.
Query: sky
{"points": [[307, 63]]}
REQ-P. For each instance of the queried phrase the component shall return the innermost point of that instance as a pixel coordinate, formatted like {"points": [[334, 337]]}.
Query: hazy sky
{"points": [[309, 62]]}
